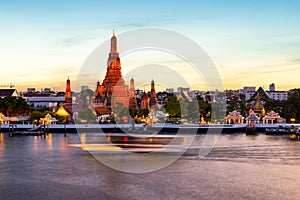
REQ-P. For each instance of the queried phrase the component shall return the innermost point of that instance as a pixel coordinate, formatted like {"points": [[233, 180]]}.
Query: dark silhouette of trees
{"points": [[291, 107], [14, 106]]}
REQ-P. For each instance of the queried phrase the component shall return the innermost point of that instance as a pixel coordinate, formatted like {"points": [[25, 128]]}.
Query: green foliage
{"points": [[120, 112], [14, 106], [232, 106], [85, 96], [41, 113], [36, 115], [86, 114], [239, 106], [204, 107], [291, 107], [274, 105], [133, 112], [143, 112], [173, 107], [217, 111]]}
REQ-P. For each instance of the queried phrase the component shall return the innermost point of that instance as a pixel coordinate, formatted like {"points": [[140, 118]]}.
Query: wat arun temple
{"points": [[113, 90]]}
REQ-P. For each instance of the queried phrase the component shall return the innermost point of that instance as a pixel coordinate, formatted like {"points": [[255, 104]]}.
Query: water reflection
{"points": [[239, 166], [2, 147], [49, 142]]}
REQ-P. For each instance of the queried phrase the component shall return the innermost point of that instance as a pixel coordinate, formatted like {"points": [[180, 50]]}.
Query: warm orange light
{"points": [[292, 119]]}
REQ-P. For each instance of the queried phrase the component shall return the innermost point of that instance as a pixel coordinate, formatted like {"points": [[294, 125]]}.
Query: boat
{"points": [[36, 131], [127, 140], [295, 135], [281, 130], [29, 133]]}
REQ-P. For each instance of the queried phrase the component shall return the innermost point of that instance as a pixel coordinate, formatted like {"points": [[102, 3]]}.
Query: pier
{"points": [[119, 128]]}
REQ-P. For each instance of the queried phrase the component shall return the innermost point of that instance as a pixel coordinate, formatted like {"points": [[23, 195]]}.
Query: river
{"points": [[238, 167]]}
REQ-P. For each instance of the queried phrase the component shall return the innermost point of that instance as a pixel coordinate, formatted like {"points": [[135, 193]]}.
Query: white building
{"points": [[278, 95], [248, 91], [272, 87], [46, 102]]}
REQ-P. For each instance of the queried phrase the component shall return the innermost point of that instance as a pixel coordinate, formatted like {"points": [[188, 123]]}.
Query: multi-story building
{"points": [[278, 95]]}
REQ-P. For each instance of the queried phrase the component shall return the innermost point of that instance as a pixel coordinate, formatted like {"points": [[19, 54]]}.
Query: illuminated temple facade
{"points": [[113, 89]]}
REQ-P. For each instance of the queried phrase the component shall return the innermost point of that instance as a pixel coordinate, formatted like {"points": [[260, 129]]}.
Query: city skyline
{"points": [[251, 43]]}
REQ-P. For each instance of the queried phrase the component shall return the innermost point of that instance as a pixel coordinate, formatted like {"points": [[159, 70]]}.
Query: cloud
{"points": [[72, 41]]}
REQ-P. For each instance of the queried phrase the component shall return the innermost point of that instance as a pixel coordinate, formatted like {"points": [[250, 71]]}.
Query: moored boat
{"points": [[281, 130], [142, 140], [36, 131], [295, 135]]}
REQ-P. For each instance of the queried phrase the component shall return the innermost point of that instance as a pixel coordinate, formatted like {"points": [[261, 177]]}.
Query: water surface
{"points": [[238, 167]]}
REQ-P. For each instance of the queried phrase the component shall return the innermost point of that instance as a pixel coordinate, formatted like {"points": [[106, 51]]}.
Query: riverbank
{"points": [[119, 128]]}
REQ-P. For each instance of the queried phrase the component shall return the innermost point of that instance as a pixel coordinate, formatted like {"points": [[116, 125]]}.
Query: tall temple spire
{"points": [[113, 45], [68, 98], [113, 73], [145, 101], [113, 54], [132, 92], [153, 93], [153, 98], [113, 89], [132, 98]]}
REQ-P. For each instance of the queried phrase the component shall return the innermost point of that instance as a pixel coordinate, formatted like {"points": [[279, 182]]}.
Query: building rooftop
{"points": [[7, 92]]}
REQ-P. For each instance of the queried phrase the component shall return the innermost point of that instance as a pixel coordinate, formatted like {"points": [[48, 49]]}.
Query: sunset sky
{"points": [[252, 43]]}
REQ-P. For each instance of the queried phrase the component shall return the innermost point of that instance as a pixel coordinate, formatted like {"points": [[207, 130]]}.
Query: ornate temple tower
{"points": [[153, 97], [132, 99], [68, 97], [145, 101], [113, 89], [68, 105]]}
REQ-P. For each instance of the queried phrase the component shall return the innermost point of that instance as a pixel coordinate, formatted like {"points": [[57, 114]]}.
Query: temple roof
{"points": [[261, 94], [252, 117], [6, 92], [234, 115], [272, 115]]}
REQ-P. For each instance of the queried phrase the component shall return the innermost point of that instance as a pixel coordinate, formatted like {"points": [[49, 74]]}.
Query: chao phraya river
{"points": [[238, 167]]}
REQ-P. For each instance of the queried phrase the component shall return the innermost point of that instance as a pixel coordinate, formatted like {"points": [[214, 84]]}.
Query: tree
{"points": [[85, 96], [120, 113], [173, 107], [143, 112], [13, 106], [36, 115], [217, 111], [232, 106], [274, 105], [291, 107], [204, 107], [86, 114]]}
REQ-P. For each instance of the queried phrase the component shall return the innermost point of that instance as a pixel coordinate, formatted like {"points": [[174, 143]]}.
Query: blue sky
{"points": [[250, 42]]}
